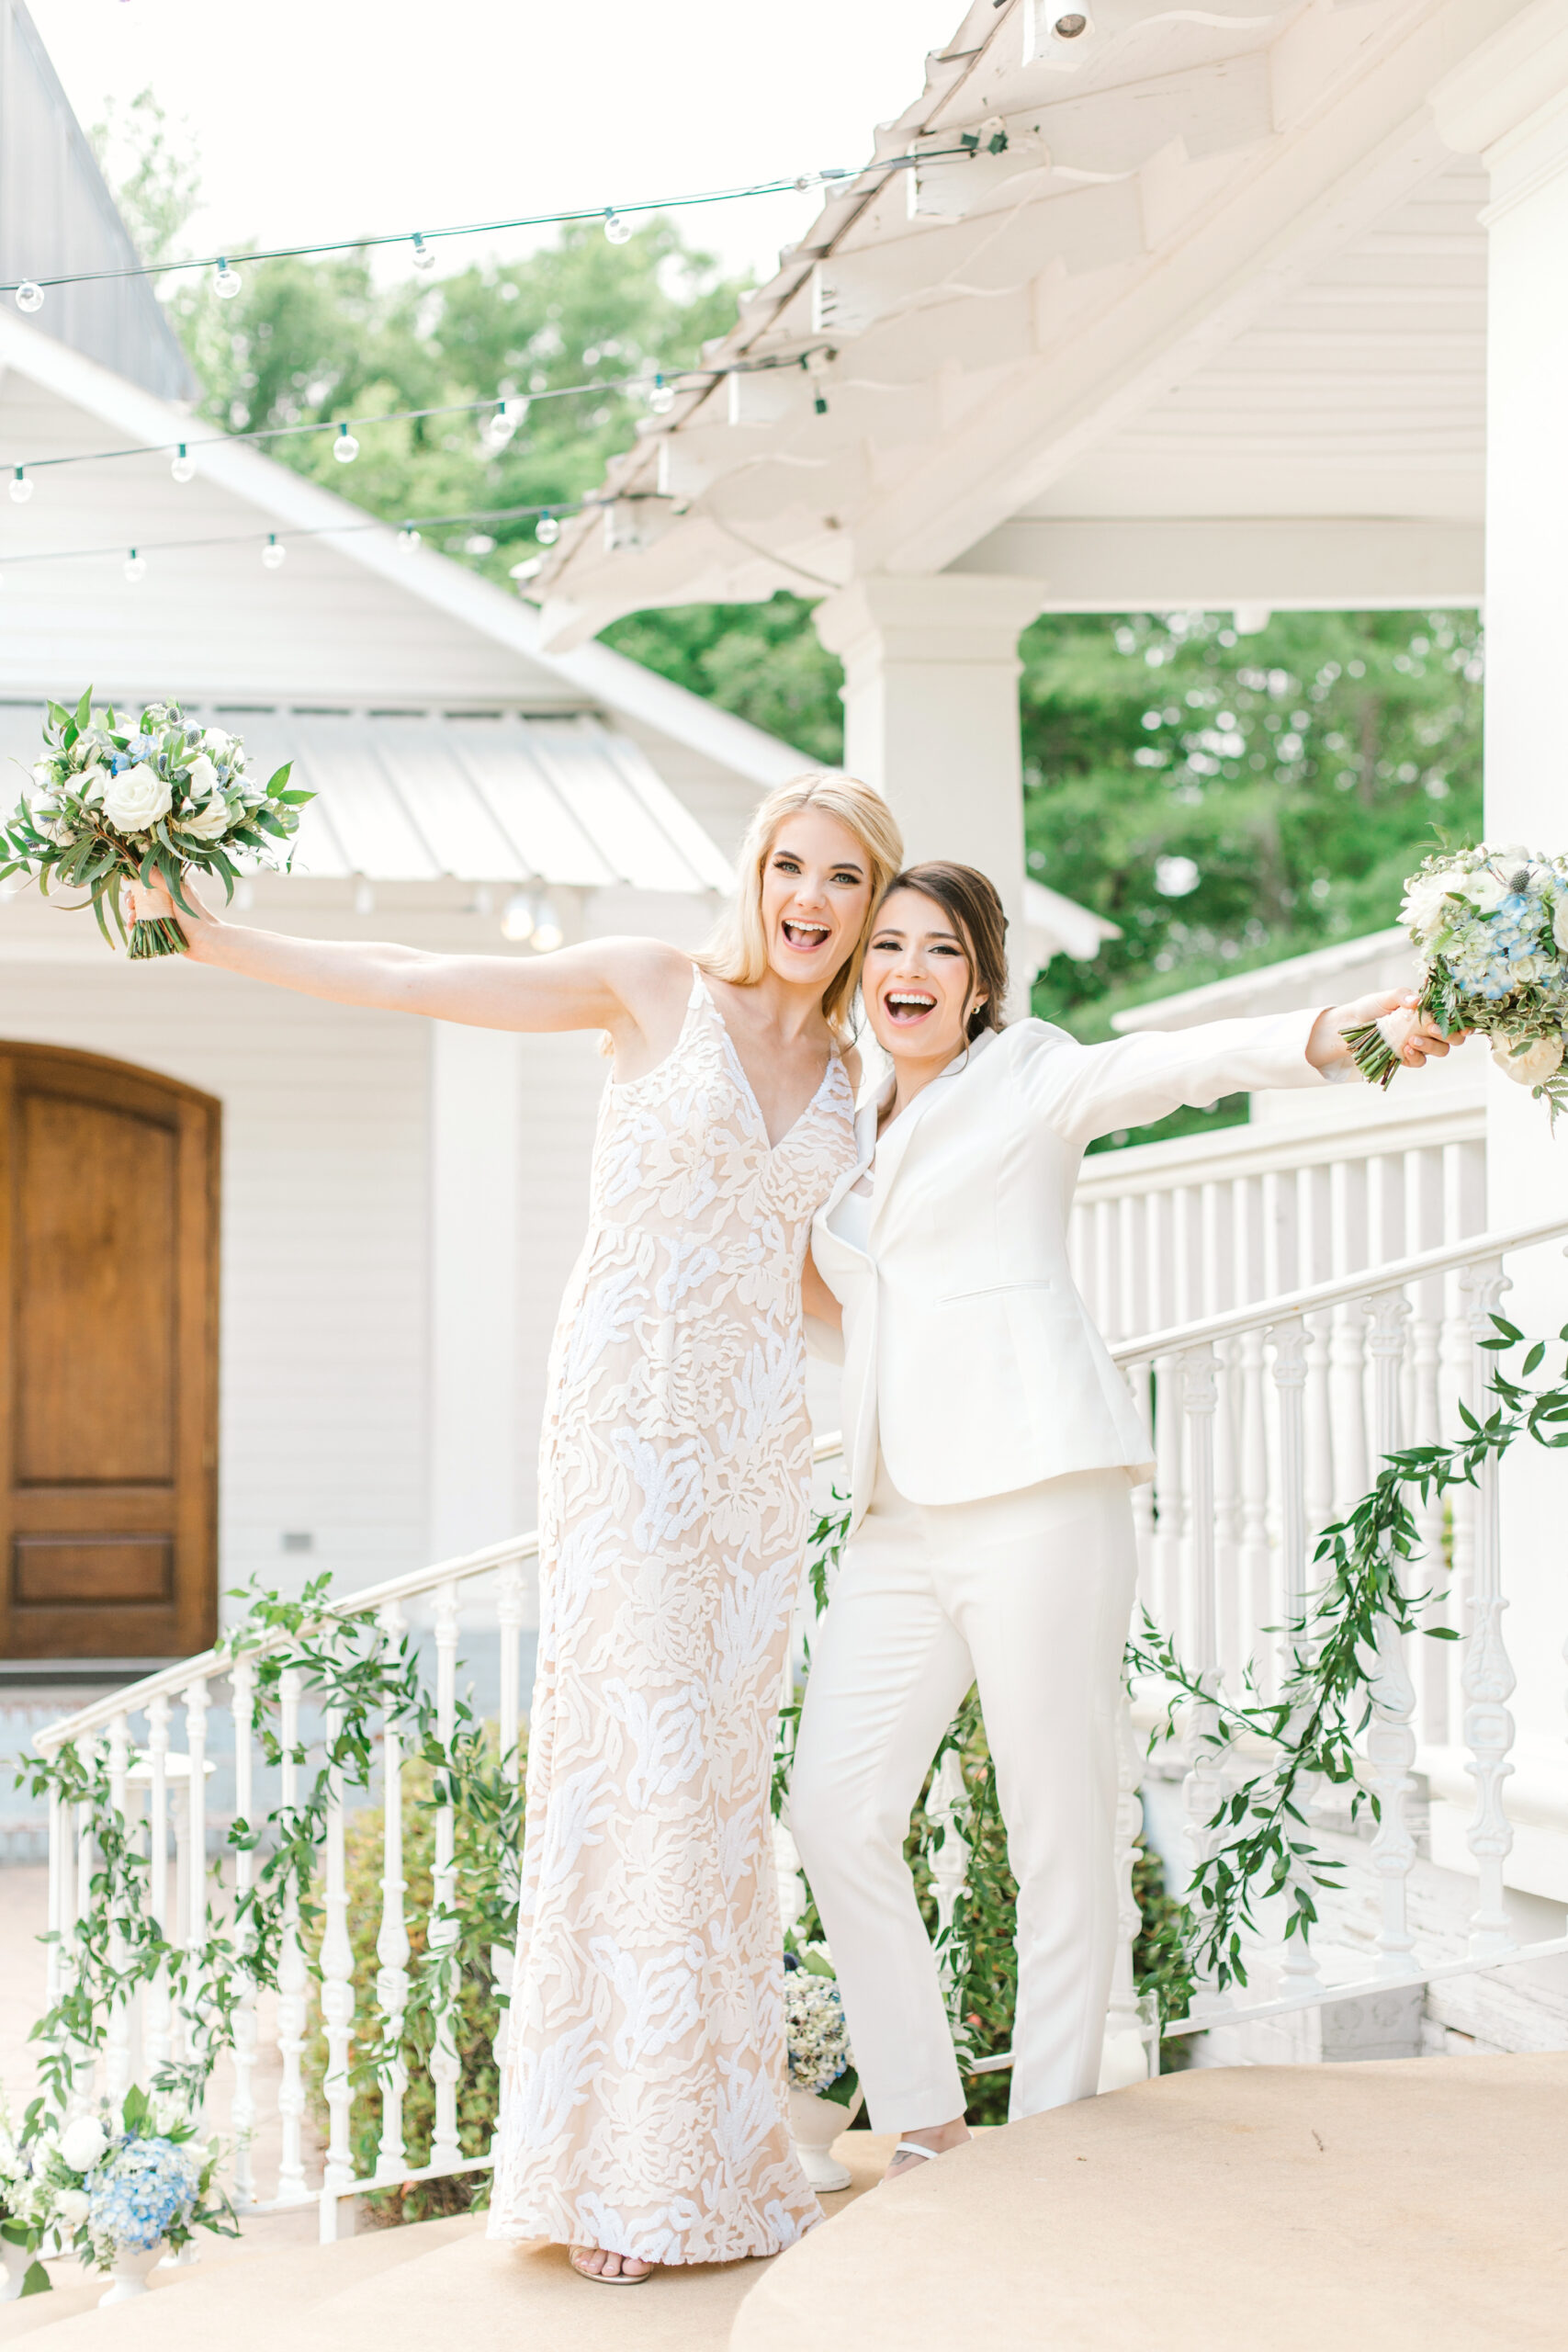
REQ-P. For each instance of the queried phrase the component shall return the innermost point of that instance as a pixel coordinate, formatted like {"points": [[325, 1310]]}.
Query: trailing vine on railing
{"points": [[1326, 1701], [364, 1681]]}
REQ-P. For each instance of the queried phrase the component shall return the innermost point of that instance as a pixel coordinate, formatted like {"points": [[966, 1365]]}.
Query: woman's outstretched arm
{"points": [[601, 984]]}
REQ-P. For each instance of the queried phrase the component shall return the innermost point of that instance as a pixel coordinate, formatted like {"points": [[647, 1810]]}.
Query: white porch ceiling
{"points": [[1223, 273], [481, 796]]}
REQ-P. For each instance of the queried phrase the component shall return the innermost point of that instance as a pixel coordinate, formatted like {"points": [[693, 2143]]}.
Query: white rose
{"points": [[72, 2205], [1559, 922], [1537, 1062], [203, 777], [215, 739], [1485, 890], [209, 823], [136, 799], [43, 774], [90, 784], [82, 2142], [1425, 901]]}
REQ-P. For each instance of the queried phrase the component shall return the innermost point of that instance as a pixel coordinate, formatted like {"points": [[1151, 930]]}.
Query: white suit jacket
{"points": [[968, 1354]]}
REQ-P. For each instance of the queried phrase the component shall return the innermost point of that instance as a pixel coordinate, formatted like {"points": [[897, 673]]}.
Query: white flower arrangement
{"points": [[1491, 925], [102, 2185], [116, 802], [817, 2035]]}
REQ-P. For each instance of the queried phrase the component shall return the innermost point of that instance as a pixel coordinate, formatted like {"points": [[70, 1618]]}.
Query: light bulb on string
{"points": [[615, 229], [29, 295], [547, 530], [345, 448], [662, 399], [423, 257], [408, 539], [184, 467], [21, 488], [273, 553], [135, 566], [509, 414], [548, 932], [518, 919], [227, 283]]}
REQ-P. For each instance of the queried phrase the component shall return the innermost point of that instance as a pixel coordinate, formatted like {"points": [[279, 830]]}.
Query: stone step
{"points": [[1414, 2205]]}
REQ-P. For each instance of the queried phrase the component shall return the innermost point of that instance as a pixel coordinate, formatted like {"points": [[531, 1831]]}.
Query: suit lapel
{"points": [[894, 1148]]}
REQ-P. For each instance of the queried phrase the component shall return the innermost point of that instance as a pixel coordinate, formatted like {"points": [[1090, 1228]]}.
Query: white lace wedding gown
{"points": [[644, 2095]]}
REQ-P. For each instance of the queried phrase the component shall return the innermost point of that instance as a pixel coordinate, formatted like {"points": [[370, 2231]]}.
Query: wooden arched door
{"points": [[108, 1366]]}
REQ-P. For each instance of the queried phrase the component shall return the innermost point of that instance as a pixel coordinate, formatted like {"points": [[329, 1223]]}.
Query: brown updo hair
{"points": [[969, 900]]}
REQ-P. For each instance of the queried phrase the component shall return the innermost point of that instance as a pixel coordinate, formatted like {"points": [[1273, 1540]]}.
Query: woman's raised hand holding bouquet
{"points": [[1492, 928], [113, 803]]}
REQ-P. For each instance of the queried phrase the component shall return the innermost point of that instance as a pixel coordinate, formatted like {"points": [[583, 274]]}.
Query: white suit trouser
{"points": [[1028, 1596]]}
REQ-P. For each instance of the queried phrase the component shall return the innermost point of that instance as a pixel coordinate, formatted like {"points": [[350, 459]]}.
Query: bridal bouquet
{"points": [[1492, 928], [116, 801]]}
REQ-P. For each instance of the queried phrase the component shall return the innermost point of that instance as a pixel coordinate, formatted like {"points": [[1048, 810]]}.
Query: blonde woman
{"points": [[644, 2103]]}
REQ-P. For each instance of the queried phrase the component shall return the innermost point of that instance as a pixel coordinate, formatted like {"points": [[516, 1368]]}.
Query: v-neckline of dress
{"points": [[746, 1085]]}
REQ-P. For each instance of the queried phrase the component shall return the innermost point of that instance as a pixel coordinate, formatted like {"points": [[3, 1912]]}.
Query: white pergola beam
{"points": [[1291, 563]]}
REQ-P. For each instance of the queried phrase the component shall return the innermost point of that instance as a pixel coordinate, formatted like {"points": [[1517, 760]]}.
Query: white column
{"points": [[1510, 105], [475, 1207], [930, 711]]}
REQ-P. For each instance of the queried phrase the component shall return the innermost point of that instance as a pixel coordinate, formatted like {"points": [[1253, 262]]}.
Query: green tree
{"points": [[152, 171]]}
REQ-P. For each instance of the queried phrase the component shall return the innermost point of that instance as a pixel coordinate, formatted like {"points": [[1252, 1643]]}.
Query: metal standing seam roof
{"points": [[491, 797]]}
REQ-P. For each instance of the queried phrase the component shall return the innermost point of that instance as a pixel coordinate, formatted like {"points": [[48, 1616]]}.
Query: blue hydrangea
{"points": [[139, 2190]]}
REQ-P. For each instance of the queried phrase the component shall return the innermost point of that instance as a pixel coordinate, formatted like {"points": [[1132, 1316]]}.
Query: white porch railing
{"points": [[1267, 1419]]}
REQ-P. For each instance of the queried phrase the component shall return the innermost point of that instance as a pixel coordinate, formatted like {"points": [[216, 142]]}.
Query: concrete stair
{"points": [[1416, 2206]]}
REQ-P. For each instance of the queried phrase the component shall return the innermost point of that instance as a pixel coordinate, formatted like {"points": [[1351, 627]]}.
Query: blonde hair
{"points": [[738, 949]]}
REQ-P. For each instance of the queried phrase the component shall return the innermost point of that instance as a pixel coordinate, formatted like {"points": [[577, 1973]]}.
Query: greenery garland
{"points": [[1326, 1703]]}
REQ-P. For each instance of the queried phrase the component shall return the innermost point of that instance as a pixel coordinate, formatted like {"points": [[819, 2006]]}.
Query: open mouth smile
{"points": [[906, 1006], [806, 937]]}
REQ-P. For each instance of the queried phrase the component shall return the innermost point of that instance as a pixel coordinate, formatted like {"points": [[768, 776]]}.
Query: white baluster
{"points": [[1258, 1598], [392, 1940], [1455, 1365], [1203, 1786], [509, 1620], [1391, 1741], [119, 2064], [82, 1900], [160, 2045], [59, 1879], [337, 1991], [293, 1980], [1299, 1964], [1488, 1677], [1233, 1629], [195, 1702], [1166, 1549], [243, 2108], [1318, 1464], [1425, 1428], [946, 1808], [1124, 2059], [1347, 1357], [446, 2067], [1140, 1376]]}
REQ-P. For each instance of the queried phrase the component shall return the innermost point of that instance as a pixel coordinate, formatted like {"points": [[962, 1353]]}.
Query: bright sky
{"points": [[327, 118]]}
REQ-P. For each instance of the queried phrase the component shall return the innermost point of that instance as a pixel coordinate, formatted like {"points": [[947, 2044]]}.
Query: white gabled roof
{"points": [[1220, 266], [349, 620]]}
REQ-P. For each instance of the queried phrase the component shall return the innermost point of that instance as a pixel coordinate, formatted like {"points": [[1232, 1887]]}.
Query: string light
{"points": [[345, 448], [228, 279], [548, 932], [273, 553], [228, 282], [423, 257], [547, 530], [690, 380], [408, 541], [615, 229], [499, 428], [135, 566], [184, 467], [21, 488], [517, 918], [29, 295]]}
